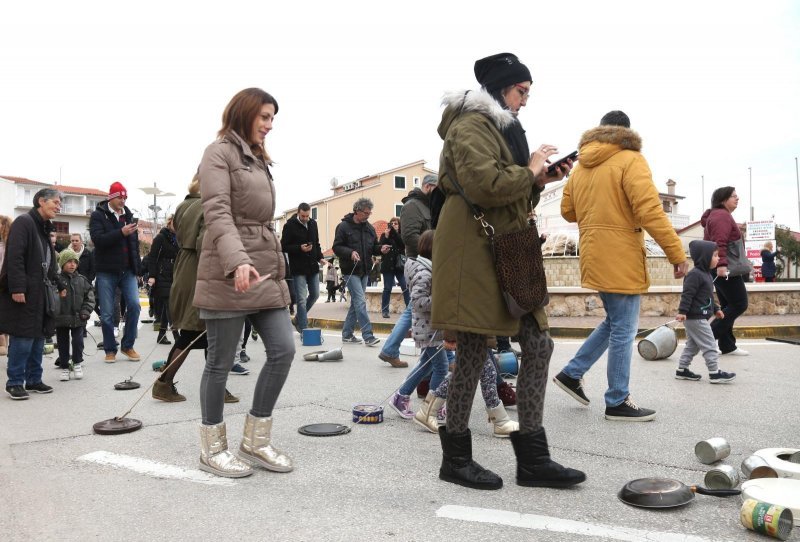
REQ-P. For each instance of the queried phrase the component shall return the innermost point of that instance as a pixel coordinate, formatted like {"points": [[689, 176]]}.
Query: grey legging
{"points": [[537, 347], [275, 328]]}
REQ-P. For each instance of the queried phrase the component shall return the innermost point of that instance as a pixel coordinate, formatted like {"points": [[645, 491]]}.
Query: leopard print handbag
{"points": [[517, 260], [520, 269]]}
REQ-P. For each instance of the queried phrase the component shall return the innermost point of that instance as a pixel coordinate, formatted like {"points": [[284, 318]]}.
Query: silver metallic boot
{"points": [[215, 457], [256, 446], [502, 424], [426, 415]]}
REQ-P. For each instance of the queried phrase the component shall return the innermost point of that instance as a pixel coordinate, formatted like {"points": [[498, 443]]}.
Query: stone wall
{"points": [[567, 298]]}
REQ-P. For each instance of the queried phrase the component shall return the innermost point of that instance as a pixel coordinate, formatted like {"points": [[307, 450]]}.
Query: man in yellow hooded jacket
{"points": [[612, 197]]}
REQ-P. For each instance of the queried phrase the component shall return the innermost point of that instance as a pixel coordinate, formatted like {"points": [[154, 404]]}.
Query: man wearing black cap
{"points": [[612, 197]]}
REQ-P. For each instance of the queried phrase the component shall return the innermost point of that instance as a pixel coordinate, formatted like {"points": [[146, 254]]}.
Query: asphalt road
{"points": [[59, 481]]}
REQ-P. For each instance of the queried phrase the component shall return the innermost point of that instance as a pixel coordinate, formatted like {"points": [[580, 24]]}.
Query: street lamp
{"points": [[156, 192], [751, 193]]}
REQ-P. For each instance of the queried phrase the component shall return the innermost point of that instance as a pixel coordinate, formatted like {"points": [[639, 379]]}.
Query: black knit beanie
{"points": [[501, 70]]}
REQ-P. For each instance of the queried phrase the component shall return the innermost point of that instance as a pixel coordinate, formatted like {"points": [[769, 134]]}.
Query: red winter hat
{"points": [[117, 191]]}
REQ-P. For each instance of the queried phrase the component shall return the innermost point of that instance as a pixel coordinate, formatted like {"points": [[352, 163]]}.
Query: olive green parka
{"points": [[466, 294]]}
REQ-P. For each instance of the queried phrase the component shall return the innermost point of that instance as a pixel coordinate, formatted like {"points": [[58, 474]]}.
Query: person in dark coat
{"points": [[392, 264], [160, 264], [354, 243], [300, 241], [118, 265], [768, 269], [23, 316], [77, 304]]}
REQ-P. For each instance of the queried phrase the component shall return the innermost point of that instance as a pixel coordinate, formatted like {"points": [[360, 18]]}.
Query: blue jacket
{"points": [[109, 243]]}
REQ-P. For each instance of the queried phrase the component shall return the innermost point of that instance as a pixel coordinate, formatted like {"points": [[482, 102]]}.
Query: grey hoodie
{"points": [[697, 298]]}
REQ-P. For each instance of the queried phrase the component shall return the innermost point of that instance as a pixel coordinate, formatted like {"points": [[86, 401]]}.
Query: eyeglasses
{"points": [[524, 92]]}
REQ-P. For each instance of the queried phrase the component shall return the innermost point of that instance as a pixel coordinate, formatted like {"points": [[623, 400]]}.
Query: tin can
{"points": [[757, 467], [722, 477], [765, 518], [712, 450], [794, 458], [367, 414]]}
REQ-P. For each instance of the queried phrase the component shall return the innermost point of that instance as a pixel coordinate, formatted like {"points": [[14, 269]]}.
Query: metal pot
{"points": [[665, 493]]}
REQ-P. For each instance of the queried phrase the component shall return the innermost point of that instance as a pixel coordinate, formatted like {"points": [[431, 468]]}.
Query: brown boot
{"points": [[230, 398], [166, 391]]}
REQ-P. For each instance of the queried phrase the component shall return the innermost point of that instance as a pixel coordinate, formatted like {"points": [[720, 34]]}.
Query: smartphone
{"points": [[135, 220], [552, 167]]}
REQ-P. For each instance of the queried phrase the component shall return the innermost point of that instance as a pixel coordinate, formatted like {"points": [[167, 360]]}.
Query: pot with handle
{"points": [[665, 493]]}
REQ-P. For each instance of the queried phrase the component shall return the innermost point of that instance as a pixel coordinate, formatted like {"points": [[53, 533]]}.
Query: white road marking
{"points": [[155, 469], [559, 525]]}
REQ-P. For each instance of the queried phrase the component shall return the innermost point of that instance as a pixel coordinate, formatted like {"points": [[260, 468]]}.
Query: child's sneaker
{"points": [[686, 374], [721, 377], [64, 375], [77, 370], [441, 416], [402, 404]]}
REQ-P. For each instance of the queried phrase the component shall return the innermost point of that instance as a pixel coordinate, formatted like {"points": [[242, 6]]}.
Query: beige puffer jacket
{"points": [[238, 208]]}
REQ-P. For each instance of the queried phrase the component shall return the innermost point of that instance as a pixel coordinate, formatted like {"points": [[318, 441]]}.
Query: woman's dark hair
{"points": [[241, 112], [720, 195], [425, 244]]}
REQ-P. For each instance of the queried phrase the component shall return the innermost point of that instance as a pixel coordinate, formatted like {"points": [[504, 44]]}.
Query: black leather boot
{"points": [[534, 466], [458, 466]]}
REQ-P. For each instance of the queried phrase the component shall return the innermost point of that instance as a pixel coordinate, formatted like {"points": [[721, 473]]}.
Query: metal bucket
{"points": [[507, 364], [312, 336], [659, 344]]}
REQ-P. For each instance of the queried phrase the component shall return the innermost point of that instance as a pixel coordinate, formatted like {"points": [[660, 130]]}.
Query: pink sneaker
{"points": [[402, 405]]}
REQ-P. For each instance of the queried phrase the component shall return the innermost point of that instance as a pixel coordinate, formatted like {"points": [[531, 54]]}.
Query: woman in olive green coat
{"points": [[485, 150]]}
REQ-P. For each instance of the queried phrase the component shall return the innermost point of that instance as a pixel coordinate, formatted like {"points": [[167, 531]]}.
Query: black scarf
{"points": [[514, 134]]}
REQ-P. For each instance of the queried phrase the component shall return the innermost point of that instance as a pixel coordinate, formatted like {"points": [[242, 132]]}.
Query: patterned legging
{"points": [[537, 347], [488, 385]]}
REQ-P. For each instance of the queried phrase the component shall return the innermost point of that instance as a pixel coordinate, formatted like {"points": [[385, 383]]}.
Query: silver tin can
{"points": [[795, 457], [712, 450], [757, 467], [722, 477]]}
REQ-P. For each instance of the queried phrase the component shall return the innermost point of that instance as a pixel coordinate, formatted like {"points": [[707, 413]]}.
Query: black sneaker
{"points": [[372, 341], [352, 339], [572, 387], [17, 393], [41, 387], [628, 411], [243, 357], [686, 374], [721, 377]]}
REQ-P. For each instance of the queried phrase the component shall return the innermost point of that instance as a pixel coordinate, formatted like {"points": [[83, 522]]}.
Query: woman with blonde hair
{"points": [[768, 269], [242, 275]]}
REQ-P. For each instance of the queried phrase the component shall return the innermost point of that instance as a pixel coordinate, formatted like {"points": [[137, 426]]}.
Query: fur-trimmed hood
{"points": [[477, 101], [601, 143]]}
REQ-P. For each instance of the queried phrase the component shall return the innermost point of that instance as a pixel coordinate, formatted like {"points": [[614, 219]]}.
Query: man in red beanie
{"points": [[116, 254]]}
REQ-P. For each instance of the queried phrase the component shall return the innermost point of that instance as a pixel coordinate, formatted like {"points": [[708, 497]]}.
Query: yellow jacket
{"points": [[611, 195]]}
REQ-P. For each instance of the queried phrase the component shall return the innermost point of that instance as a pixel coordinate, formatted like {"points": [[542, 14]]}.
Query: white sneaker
{"points": [[737, 352], [77, 370], [64, 375], [116, 332]]}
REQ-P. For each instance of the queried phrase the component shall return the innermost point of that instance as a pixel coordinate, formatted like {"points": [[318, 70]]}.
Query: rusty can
{"points": [[766, 518], [722, 477], [712, 450]]}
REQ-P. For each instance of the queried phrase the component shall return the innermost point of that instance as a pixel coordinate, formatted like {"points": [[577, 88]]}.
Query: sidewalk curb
{"points": [[746, 332]]}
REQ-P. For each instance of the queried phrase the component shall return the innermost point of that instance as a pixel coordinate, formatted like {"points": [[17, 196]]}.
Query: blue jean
{"points": [[306, 292], [357, 313], [24, 361], [399, 332], [107, 283], [437, 368], [388, 284], [616, 334]]}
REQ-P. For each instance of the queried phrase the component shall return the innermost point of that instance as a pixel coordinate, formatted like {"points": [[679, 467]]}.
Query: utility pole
{"points": [[797, 176], [702, 194]]}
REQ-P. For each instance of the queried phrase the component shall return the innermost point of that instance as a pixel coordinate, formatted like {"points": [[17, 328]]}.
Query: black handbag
{"points": [[52, 302], [518, 262]]}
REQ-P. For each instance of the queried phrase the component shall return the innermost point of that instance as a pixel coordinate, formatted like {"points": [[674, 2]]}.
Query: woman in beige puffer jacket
{"points": [[241, 274]]}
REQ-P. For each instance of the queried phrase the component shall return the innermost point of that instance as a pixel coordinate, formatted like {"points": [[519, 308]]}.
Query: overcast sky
{"points": [[100, 91]]}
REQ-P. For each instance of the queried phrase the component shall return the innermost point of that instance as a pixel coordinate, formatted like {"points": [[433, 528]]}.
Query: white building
{"points": [[16, 198]]}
